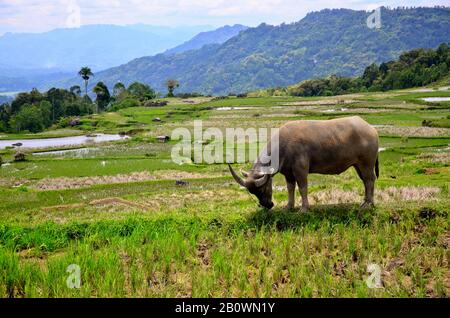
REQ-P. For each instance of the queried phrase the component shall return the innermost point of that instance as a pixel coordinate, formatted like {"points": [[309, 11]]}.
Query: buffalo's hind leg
{"points": [[367, 175]]}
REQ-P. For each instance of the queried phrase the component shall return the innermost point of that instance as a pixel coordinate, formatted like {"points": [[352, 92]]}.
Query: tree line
{"points": [[413, 68], [35, 111]]}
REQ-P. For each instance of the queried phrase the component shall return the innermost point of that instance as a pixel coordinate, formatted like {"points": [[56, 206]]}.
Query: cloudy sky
{"points": [[44, 15]]}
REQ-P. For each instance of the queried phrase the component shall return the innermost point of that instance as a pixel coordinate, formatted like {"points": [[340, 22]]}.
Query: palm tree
{"points": [[85, 74]]}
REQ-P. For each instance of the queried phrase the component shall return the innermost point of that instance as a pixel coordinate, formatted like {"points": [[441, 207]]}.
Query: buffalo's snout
{"points": [[267, 205]]}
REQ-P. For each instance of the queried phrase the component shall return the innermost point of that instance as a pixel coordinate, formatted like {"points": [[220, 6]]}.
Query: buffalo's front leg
{"points": [[291, 193]]}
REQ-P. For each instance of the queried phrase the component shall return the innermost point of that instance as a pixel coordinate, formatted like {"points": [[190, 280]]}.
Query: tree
{"points": [[58, 98], [76, 90], [30, 118], [78, 107], [5, 115], [171, 86], [141, 91], [103, 96], [119, 89], [32, 97], [119, 93], [370, 75], [86, 74]]}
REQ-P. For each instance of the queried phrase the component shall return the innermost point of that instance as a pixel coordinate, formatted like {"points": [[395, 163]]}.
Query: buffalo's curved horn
{"points": [[236, 177], [262, 181], [245, 174]]}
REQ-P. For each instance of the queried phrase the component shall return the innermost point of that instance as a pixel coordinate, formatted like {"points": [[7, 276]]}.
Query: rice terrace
{"points": [[118, 213], [94, 205]]}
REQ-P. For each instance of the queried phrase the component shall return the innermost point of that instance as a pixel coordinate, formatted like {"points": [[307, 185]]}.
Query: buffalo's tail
{"points": [[377, 168]]}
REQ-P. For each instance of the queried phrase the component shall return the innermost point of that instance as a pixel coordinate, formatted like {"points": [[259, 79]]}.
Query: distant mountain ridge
{"points": [[327, 42], [29, 59], [217, 36], [99, 46]]}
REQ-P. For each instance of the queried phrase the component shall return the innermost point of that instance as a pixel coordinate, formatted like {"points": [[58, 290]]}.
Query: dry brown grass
{"points": [[76, 183], [391, 194], [116, 202], [332, 101], [63, 207], [177, 200], [441, 157], [408, 194], [413, 131]]}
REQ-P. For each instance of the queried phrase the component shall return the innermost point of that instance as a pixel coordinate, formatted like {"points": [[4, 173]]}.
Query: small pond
{"points": [[60, 142]]}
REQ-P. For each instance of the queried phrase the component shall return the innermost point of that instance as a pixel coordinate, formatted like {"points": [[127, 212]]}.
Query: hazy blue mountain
{"points": [[218, 36], [5, 99], [179, 34], [323, 43], [29, 59]]}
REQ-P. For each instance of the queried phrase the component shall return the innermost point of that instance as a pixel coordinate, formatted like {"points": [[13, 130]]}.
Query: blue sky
{"points": [[44, 15]]}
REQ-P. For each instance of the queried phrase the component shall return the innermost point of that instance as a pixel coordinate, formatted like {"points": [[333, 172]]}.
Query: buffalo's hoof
{"points": [[304, 209], [367, 205], [289, 207]]}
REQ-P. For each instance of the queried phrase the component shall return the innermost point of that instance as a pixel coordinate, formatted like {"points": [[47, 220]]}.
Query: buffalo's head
{"points": [[258, 184]]}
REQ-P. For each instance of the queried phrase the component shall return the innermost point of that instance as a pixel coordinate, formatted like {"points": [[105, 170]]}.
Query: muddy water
{"points": [[60, 142]]}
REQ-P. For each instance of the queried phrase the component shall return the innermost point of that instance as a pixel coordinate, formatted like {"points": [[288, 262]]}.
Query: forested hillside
{"points": [[323, 43], [413, 68]]}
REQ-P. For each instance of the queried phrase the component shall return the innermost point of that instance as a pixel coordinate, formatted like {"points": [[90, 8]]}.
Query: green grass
{"points": [[209, 238], [262, 254]]}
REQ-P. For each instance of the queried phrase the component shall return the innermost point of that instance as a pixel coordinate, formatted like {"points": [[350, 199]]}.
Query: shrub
{"points": [[219, 98], [188, 95], [155, 104], [19, 157], [65, 122], [126, 103]]}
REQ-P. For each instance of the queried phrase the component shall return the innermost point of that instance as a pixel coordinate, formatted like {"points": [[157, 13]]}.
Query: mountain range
{"points": [[217, 36], [336, 41], [28, 59]]}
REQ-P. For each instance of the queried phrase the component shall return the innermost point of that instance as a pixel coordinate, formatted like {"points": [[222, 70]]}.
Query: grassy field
{"points": [[116, 211]]}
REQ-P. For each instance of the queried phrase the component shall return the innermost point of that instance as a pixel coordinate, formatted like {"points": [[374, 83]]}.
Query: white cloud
{"points": [[40, 15]]}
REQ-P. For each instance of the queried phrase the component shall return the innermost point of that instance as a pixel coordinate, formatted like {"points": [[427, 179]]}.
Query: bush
{"points": [[19, 157], [69, 122], [126, 103], [188, 95], [219, 98], [439, 123], [155, 104]]}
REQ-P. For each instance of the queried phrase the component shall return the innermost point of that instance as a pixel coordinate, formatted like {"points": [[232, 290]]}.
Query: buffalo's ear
{"points": [[262, 181], [236, 177]]}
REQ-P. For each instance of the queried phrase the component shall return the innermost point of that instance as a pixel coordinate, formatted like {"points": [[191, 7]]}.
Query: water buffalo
{"points": [[324, 147]]}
